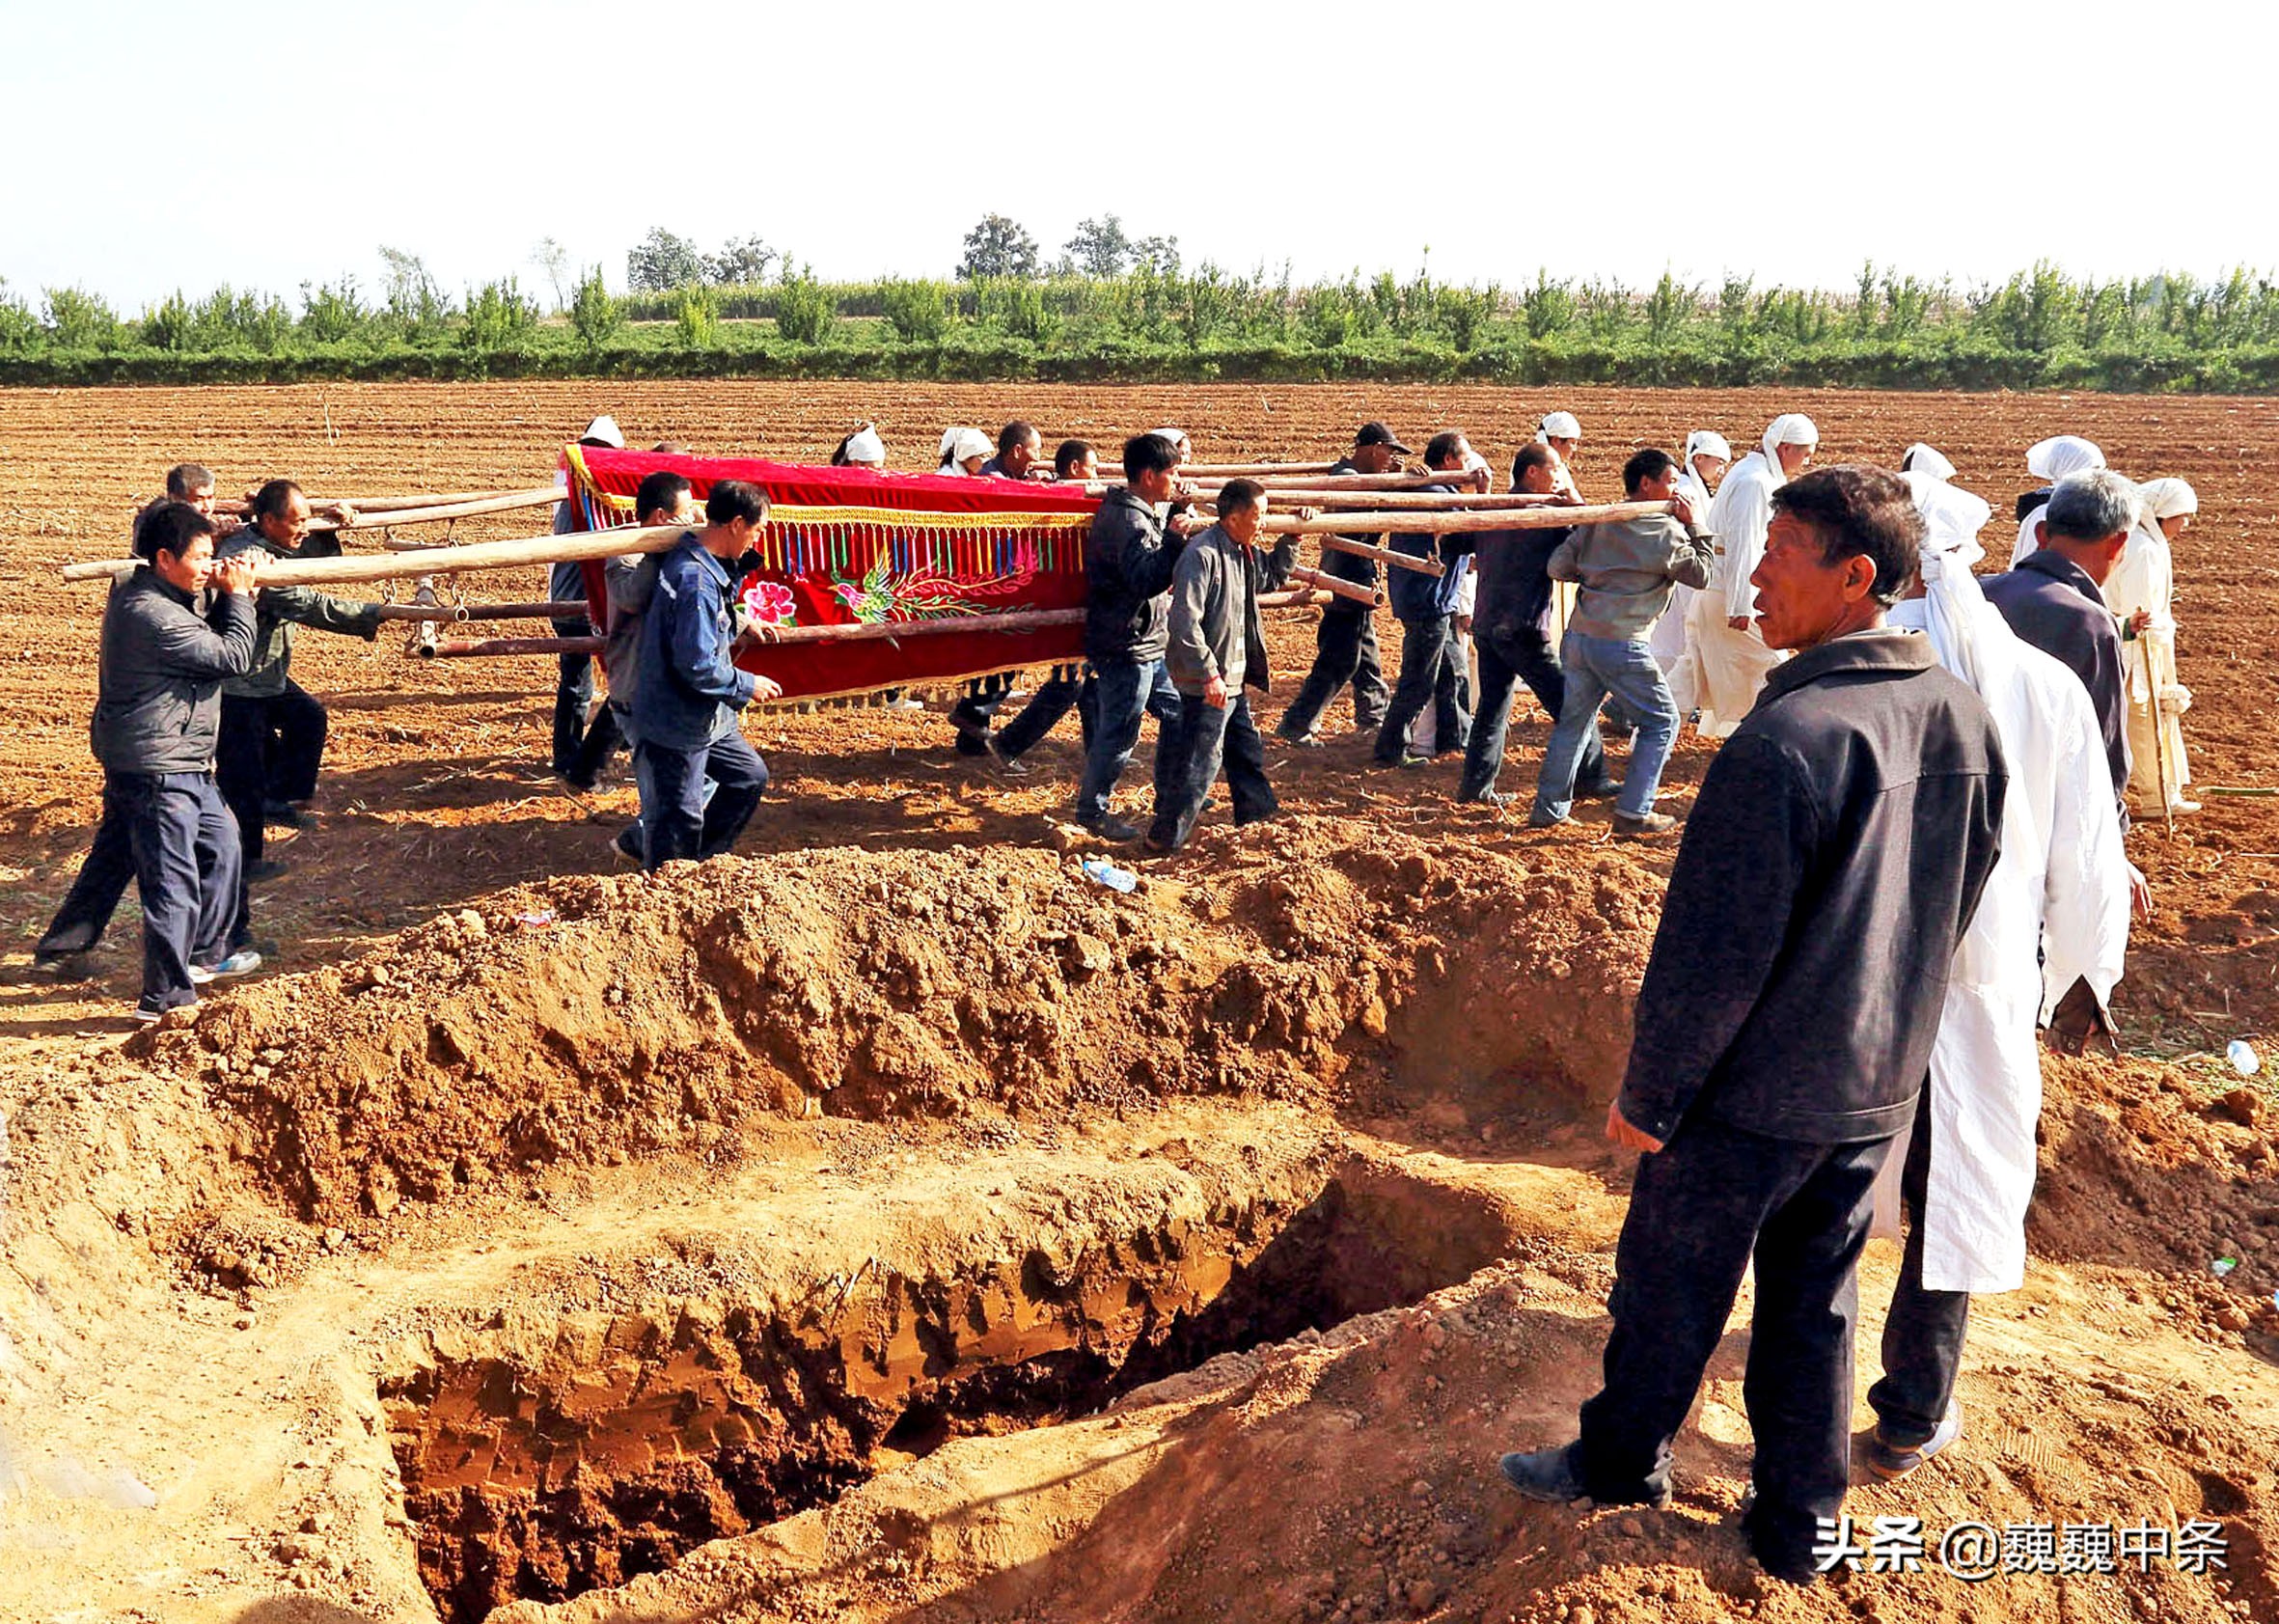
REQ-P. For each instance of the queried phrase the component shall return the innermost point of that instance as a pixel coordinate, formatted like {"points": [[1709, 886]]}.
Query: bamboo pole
{"points": [[454, 613], [485, 647], [1525, 518], [1382, 555], [1343, 589]]}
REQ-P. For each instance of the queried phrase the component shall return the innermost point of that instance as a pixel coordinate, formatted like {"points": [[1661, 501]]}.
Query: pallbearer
{"points": [[1217, 651]]}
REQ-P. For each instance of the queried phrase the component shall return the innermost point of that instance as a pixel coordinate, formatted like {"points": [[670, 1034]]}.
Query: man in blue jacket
{"points": [[685, 707], [1435, 670], [1783, 1032]]}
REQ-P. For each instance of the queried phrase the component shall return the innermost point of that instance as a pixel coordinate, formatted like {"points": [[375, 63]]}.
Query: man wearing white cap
{"points": [[1562, 432], [2058, 896], [578, 751], [2050, 461], [1730, 659], [2142, 592]]}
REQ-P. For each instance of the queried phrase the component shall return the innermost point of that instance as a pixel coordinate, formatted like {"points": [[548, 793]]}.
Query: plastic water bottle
{"points": [[1100, 872], [2244, 1057]]}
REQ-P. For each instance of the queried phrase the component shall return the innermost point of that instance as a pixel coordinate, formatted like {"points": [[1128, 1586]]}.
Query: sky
{"points": [[181, 145]]}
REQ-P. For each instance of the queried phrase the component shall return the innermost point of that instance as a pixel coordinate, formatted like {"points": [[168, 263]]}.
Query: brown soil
{"points": [[892, 1224]]}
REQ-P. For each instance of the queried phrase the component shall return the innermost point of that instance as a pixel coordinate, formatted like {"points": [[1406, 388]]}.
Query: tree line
{"points": [[1112, 306]]}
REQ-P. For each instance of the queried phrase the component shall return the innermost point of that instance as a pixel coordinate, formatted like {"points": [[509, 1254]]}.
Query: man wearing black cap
{"points": [[1345, 646]]}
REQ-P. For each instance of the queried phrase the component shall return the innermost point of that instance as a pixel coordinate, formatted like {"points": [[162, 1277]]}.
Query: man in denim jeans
{"points": [[1128, 563], [1626, 571]]}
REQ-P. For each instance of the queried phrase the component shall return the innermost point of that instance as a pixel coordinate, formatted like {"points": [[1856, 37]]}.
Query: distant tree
{"points": [[999, 247], [19, 328], [1159, 254], [331, 312], [594, 313], [81, 320], [413, 299], [664, 261], [1099, 247], [553, 259], [740, 264]]}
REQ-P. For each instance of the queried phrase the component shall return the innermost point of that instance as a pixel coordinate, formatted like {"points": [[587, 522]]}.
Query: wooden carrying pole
{"points": [[1249, 469], [1330, 584], [451, 613], [343, 571], [1382, 555], [504, 503], [859, 631], [1390, 500], [1523, 518], [1296, 598]]}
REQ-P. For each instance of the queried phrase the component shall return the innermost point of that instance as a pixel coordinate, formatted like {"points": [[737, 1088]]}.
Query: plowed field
{"points": [[886, 1224]]}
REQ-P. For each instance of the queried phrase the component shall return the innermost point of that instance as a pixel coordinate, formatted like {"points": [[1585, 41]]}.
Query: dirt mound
{"points": [[594, 1020]]}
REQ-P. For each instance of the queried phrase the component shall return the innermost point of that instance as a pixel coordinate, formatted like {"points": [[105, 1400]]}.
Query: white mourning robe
{"points": [[2060, 884], [1730, 666]]}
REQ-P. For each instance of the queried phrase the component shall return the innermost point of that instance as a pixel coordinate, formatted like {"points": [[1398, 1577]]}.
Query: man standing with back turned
{"points": [[1833, 860]]}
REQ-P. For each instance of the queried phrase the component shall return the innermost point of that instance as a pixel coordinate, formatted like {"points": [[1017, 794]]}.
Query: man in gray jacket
{"points": [[1217, 649], [1626, 571], [168, 644]]}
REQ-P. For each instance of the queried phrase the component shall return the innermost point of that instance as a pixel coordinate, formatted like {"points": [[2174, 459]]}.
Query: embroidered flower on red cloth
{"points": [[770, 603]]}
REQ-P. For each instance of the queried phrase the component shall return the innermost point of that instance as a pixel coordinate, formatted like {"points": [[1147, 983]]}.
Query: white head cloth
{"points": [[2060, 455], [1177, 437], [959, 443], [864, 446], [2163, 499], [1788, 429], [1707, 442], [1952, 518], [605, 430], [1920, 458], [1558, 426]]}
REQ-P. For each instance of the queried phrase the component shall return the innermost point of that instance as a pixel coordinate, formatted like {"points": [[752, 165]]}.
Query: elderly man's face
{"points": [[1535, 480], [288, 528], [1372, 460], [1243, 522], [201, 497], [1022, 457], [1801, 598], [1795, 459], [1662, 486]]}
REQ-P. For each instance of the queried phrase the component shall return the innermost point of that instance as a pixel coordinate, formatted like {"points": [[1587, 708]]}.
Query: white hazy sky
{"points": [[156, 146]]}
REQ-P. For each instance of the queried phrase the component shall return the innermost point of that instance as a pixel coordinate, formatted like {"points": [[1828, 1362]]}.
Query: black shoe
{"points": [[1485, 798], [1540, 818], [1112, 829], [1545, 1474], [284, 815], [268, 869], [1599, 789]]}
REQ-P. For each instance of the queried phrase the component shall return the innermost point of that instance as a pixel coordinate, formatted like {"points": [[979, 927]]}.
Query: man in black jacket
{"points": [[168, 644], [2051, 599], [1783, 1032], [1128, 563], [1345, 643], [1435, 670], [1514, 570]]}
